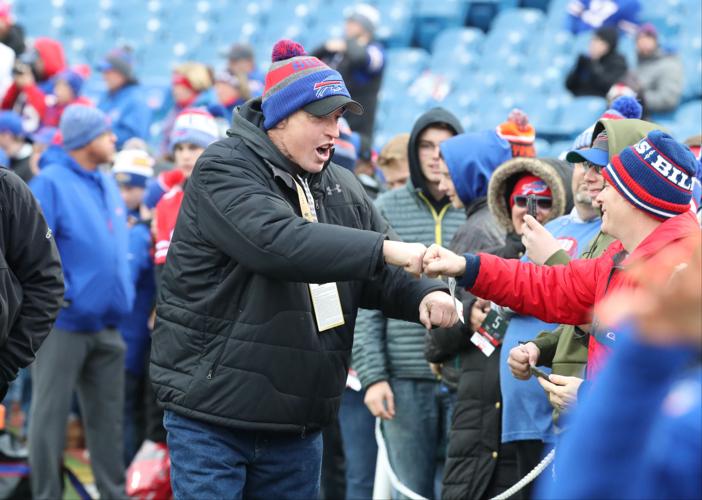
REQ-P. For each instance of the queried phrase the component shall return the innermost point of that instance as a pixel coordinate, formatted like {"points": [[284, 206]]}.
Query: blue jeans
{"points": [[414, 437], [360, 449], [211, 461]]}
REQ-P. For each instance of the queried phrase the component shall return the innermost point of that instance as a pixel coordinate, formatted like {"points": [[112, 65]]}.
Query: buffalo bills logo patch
{"points": [[329, 87], [536, 187], [569, 245]]}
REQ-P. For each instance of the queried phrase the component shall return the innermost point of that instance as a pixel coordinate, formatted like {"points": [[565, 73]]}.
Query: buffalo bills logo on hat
{"points": [[656, 160], [329, 86], [536, 187]]}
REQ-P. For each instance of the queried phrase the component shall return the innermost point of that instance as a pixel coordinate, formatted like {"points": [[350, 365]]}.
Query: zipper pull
{"points": [[304, 431], [209, 375]]}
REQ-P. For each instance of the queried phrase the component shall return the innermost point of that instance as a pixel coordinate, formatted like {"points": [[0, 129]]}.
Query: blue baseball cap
{"points": [[597, 154], [11, 122]]}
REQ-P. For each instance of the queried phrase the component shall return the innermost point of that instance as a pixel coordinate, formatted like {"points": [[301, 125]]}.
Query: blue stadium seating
{"points": [[580, 113], [688, 121], [521, 61]]}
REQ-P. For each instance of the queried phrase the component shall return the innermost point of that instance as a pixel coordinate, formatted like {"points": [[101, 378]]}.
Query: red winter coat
{"points": [[567, 294], [166, 215]]}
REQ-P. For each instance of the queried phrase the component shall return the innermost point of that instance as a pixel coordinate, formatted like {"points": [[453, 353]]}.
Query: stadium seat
{"points": [[481, 13], [395, 28], [690, 114], [559, 148], [523, 20], [432, 17], [543, 148], [580, 113], [402, 65], [457, 40], [693, 77]]}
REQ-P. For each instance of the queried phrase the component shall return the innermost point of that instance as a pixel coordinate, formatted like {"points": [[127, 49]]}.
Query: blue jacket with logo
{"points": [[130, 115], [87, 215]]}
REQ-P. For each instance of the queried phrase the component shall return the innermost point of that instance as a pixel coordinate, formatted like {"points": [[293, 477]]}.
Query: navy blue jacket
{"points": [[134, 327], [87, 216]]}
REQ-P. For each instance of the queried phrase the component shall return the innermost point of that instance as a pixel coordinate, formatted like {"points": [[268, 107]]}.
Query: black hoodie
{"points": [[590, 77], [432, 117]]}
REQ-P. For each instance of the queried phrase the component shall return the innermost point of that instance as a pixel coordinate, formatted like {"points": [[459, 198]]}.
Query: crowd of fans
{"points": [[462, 404]]}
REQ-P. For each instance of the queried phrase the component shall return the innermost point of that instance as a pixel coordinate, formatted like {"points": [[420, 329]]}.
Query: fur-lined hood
{"points": [[556, 173]]}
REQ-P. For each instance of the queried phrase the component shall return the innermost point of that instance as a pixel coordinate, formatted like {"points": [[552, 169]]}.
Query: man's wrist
{"points": [[470, 273]]}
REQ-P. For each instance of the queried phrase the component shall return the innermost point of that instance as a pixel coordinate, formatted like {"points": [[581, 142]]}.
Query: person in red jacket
{"points": [[32, 80], [193, 131], [645, 206]]}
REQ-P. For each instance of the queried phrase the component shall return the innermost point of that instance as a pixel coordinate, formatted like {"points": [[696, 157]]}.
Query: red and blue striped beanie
{"points": [[655, 175], [296, 80]]}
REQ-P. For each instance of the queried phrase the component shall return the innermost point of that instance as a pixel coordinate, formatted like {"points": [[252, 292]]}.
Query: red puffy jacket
{"points": [[568, 294]]}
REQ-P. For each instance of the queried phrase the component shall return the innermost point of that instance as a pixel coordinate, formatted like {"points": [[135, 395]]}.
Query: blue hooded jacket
{"points": [[87, 216], [129, 113], [471, 159]]}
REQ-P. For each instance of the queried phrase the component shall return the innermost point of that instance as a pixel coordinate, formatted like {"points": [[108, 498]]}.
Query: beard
{"points": [[583, 198]]}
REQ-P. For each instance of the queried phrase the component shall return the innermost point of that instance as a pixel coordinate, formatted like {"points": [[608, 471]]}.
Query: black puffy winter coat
{"points": [[31, 279], [235, 341]]}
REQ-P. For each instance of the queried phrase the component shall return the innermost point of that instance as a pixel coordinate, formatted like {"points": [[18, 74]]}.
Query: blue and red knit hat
{"points": [[655, 175], [296, 81]]}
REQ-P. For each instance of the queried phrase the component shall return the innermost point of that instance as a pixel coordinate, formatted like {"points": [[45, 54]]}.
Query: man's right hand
{"points": [[380, 400], [521, 358], [478, 313], [408, 256], [439, 261]]}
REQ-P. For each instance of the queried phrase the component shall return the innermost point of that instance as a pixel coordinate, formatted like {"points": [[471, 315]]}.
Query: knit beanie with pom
{"points": [[296, 81]]}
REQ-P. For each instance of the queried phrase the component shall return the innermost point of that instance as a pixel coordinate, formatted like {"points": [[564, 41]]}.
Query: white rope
{"points": [[383, 452], [528, 478]]}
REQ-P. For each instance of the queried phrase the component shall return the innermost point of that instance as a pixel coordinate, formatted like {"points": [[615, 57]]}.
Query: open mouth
{"points": [[324, 152]]}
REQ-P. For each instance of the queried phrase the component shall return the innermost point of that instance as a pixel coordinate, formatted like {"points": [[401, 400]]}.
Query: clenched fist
{"points": [[521, 358], [439, 261], [408, 256], [438, 309]]}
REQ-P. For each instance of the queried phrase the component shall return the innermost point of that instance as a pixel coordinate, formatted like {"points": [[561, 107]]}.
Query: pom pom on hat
{"points": [[519, 133], [286, 49], [628, 107]]}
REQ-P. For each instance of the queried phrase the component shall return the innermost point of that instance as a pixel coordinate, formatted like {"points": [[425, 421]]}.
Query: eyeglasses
{"points": [[587, 165], [542, 202]]}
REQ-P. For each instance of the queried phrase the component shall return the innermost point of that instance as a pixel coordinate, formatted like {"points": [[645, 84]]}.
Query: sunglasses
{"points": [[542, 202], [588, 165]]}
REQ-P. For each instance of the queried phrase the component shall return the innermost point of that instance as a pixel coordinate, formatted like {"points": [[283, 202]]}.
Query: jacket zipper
{"points": [[215, 363], [438, 218]]}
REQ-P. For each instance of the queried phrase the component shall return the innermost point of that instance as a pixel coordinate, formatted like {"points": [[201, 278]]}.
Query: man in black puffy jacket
{"points": [[249, 357], [31, 280]]}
